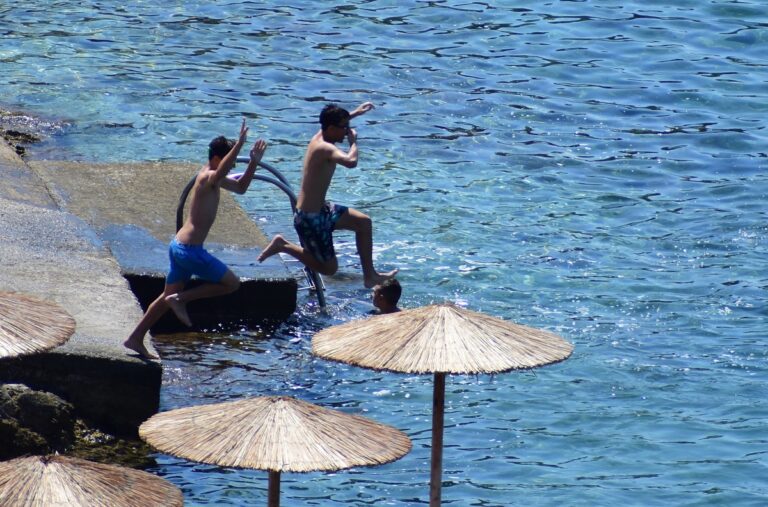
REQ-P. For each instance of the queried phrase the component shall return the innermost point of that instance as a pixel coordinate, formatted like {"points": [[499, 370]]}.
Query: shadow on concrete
{"points": [[255, 302]]}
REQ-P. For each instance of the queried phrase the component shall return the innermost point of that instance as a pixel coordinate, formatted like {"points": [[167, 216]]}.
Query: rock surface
{"points": [[33, 422]]}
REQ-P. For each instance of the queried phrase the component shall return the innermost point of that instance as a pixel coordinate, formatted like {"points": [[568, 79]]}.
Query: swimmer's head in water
{"points": [[387, 294]]}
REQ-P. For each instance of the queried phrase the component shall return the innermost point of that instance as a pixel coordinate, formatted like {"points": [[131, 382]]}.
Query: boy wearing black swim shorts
{"points": [[315, 218]]}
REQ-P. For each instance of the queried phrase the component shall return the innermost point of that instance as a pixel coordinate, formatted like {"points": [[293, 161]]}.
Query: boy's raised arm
{"points": [[240, 185], [228, 162], [361, 109]]}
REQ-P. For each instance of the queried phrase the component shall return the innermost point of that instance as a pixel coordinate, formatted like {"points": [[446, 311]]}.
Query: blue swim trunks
{"points": [[188, 260], [316, 229]]}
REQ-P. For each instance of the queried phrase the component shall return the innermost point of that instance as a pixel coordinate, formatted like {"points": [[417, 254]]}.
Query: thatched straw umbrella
{"points": [[274, 433], [29, 325], [59, 480], [439, 339]]}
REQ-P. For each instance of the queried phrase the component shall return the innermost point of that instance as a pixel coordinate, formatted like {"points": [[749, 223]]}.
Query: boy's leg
{"points": [[154, 311], [178, 300], [361, 224], [280, 244]]}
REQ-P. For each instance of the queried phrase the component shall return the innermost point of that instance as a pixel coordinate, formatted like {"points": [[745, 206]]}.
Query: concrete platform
{"points": [[132, 208], [72, 233]]}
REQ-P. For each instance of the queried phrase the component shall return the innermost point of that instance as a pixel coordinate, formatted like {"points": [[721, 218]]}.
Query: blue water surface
{"points": [[596, 169]]}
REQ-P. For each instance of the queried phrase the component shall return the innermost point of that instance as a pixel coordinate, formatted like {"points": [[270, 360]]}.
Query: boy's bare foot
{"points": [[378, 278], [275, 246], [179, 308], [139, 348]]}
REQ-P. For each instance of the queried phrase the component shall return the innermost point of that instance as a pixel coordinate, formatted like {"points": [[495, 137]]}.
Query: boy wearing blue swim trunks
{"points": [[315, 218], [186, 253]]}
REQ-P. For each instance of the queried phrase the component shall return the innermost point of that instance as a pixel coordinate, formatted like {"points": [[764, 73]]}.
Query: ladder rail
{"points": [[270, 168]]}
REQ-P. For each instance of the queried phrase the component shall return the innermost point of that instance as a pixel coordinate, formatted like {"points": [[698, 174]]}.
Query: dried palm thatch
{"points": [[60, 480], [29, 325], [439, 338], [274, 433]]}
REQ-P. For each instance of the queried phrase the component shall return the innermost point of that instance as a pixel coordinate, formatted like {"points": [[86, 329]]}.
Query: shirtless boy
{"points": [[315, 218], [186, 252]]}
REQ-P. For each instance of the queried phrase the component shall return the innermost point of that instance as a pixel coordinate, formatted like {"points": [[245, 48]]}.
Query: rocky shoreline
{"points": [[20, 129], [16, 129], [38, 422]]}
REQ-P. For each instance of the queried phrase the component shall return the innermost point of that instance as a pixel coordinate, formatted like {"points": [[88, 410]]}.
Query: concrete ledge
{"points": [[254, 302], [57, 257], [113, 393], [142, 197], [19, 183]]}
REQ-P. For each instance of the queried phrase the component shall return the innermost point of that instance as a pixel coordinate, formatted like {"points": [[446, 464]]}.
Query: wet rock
{"points": [[17, 441], [95, 445], [33, 422], [37, 422], [20, 130], [20, 137]]}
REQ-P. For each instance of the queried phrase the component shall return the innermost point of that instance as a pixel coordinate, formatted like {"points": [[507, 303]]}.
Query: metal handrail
{"points": [[272, 169], [279, 184]]}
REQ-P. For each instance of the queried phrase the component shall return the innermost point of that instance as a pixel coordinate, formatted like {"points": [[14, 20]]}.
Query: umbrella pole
{"points": [[438, 410], [274, 489]]}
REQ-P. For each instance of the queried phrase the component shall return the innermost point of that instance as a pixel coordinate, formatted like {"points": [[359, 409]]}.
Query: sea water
{"points": [[596, 169]]}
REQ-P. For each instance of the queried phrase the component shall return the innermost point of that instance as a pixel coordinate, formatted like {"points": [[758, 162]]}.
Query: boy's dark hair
{"points": [[219, 147], [391, 290], [332, 115]]}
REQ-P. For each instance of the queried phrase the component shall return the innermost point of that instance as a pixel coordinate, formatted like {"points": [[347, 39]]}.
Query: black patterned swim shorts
{"points": [[316, 229]]}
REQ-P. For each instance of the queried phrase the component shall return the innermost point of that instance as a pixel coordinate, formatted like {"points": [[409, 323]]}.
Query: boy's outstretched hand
{"points": [[362, 109], [243, 133], [259, 147]]}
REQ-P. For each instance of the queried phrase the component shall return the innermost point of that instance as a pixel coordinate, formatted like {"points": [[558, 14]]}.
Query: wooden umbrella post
{"points": [[438, 413], [274, 489]]}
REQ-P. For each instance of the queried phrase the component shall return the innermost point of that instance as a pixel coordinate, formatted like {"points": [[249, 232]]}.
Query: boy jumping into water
{"points": [[186, 252], [315, 218]]}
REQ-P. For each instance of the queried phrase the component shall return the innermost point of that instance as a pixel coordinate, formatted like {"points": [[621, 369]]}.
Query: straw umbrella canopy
{"points": [[61, 480], [439, 339], [274, 433], [29, 325]]}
